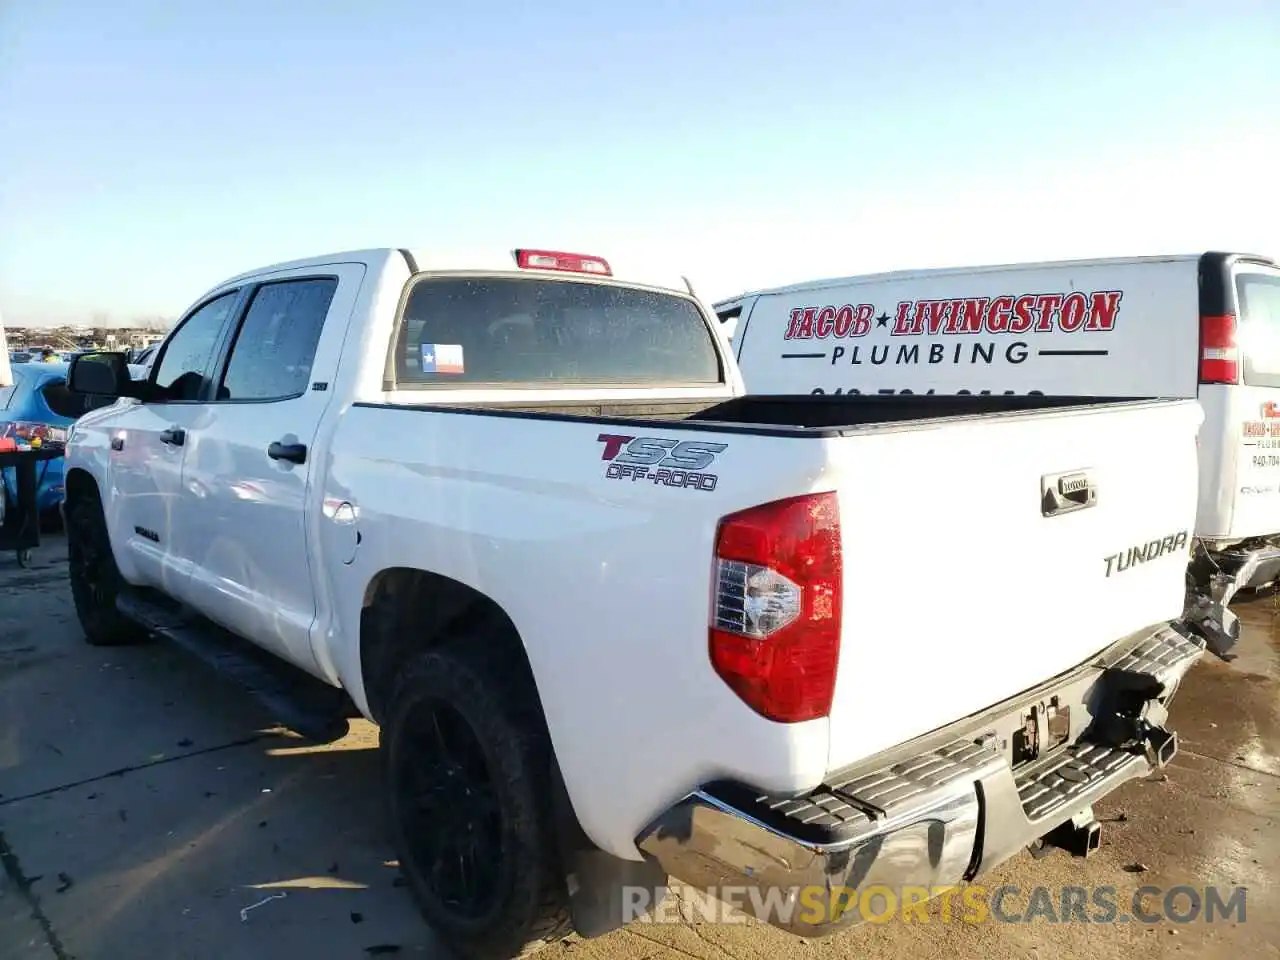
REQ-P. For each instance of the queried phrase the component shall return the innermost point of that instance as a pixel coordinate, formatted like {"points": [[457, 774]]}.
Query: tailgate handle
{"points": [[1063, 493]]}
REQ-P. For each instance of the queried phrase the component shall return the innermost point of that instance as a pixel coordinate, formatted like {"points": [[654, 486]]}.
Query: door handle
{"points": [[1062, 493], [174, 436], [293, 452]]}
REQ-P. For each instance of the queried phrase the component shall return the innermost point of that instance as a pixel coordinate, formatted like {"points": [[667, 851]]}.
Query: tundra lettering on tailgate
{"points": [[661, 461], [1152, 550]]}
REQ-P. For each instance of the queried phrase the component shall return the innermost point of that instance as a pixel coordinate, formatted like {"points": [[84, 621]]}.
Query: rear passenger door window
{"points": [[274, 350]]}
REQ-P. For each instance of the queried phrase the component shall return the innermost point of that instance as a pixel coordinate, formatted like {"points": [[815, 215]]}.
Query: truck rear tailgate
{"points": [[971, 570]]}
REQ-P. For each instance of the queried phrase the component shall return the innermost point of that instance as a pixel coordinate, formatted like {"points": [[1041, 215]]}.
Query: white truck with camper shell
{"points": [[1204, 326], [618, 620]]}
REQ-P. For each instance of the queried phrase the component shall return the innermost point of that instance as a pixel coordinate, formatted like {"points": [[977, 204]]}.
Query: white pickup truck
{"points": [[619, 621]]}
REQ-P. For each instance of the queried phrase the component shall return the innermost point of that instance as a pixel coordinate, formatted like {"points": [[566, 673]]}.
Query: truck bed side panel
{"points": [[608, 581]]}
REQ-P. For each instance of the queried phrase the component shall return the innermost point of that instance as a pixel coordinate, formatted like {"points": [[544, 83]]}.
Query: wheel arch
{"points": [[407, 610], [78, 482]]}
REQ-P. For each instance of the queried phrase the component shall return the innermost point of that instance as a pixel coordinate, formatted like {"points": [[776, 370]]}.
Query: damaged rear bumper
{"points": [[1216, 576], [935, 813]]}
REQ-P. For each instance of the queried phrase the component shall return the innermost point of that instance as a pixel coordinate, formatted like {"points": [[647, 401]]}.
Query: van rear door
{"points": [[1252, 404]]}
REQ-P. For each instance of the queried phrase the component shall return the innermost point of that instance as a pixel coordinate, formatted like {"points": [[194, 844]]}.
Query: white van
{"points": [[1204, 326]]}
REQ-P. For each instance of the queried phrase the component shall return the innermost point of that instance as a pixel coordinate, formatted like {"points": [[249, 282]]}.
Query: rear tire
{"points": [[467, 763], [95, 579]]}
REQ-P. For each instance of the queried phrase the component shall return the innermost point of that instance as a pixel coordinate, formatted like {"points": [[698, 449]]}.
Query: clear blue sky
{"points": [[148, 149]]}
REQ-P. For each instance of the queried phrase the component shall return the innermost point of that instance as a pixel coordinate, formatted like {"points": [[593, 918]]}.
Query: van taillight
{"points": [[775, 619], [1219, 355]]}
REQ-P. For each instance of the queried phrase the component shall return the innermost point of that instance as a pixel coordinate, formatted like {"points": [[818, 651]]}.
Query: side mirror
{"points": [[103, 374]]}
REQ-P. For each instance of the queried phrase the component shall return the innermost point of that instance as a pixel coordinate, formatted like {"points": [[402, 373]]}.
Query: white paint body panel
{"points": [[949, 564], [1152, 350], [144, 492], [262, 587]]}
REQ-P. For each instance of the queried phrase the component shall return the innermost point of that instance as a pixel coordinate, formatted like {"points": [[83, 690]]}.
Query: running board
{"points": [[307, 706]]}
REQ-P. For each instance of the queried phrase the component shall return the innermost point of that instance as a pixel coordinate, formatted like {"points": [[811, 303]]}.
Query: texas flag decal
{"points": [[442, 358]]}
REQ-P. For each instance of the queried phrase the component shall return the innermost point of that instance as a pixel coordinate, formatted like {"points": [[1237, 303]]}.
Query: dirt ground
{"points": [[145, 803]]}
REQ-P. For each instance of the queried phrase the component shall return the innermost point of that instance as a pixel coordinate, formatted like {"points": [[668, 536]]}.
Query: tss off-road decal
{"points": [[670, 463]]}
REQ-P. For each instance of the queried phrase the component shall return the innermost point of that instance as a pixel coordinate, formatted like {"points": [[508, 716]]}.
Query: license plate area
{"points": [[1044, 727]]}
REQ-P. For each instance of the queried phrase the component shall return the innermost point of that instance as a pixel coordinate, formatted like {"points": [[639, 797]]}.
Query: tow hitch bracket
{"points": [[1079, 836], [1134, 718], [1161, 746]]}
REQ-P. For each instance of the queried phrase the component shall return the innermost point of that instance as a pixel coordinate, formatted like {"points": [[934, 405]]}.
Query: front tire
{"points": [[95, 579], [467, 762]]}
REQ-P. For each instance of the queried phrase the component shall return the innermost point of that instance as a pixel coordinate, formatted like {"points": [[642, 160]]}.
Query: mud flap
{"points": [[601, 887]]}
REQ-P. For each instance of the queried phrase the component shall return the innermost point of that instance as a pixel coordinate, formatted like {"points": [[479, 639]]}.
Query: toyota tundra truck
{"points": [[620, 621]]}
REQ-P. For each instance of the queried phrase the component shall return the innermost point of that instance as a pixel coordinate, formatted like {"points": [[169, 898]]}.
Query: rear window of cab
{"points": [[536, 331]]}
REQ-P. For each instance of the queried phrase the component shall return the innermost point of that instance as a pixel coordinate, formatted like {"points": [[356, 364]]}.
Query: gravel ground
{"points": [[145, 803]]}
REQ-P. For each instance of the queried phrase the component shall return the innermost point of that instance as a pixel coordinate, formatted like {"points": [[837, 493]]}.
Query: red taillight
{"points": [[566, 262], [775, 619], [1219, 355]]}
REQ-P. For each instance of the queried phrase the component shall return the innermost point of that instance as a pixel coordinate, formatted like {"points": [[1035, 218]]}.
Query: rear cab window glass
{"points": [[1258, 296], [534, 331], [274, 350]]}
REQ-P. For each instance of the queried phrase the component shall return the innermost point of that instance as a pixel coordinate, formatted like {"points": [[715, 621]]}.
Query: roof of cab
{"points": [[418, 260], [368, 256]]}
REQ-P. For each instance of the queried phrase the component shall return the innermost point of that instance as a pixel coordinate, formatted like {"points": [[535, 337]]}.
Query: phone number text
{"points": [[885, 392]]}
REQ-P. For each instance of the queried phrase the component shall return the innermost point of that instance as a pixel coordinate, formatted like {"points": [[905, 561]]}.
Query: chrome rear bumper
{"points": [[1258, 567], [934, 814]]}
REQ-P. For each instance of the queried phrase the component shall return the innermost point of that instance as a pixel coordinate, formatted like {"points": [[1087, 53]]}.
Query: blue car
{"points": [[40, 405]]}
